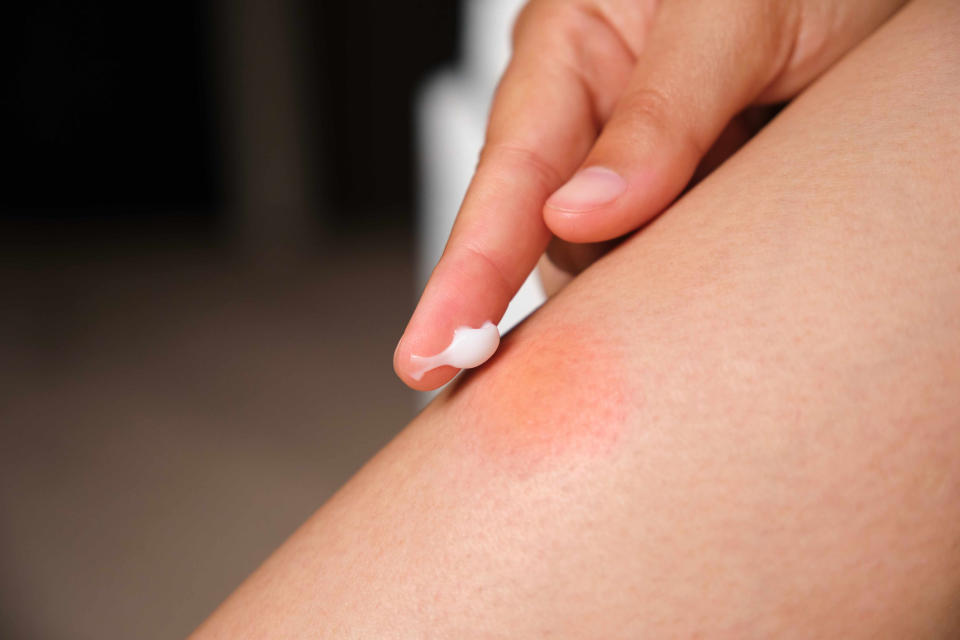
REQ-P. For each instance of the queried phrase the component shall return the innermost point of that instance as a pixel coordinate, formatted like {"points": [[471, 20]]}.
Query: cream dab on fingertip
{"points": [[469, 348]]}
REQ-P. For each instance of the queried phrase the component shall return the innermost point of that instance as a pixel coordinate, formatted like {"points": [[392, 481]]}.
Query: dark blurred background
{"points": [[206, 223]]}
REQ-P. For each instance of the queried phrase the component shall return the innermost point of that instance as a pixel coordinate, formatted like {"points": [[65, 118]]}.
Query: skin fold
{"points": [[743, 422]]}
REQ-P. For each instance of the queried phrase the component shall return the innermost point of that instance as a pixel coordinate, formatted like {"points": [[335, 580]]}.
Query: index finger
{"points": [[542, 124]]}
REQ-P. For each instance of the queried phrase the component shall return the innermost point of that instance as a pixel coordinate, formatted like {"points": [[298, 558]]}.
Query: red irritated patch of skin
{"points": [[550, 395]]}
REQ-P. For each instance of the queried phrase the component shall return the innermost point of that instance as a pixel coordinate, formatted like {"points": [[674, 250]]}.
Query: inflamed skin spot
{"points": [[550, 396]]}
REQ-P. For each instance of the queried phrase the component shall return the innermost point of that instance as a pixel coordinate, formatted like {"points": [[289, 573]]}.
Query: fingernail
{"points": [[589, 189]]}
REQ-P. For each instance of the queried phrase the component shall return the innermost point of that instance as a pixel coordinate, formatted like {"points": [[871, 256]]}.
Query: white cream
{"points": [[469, 348]]}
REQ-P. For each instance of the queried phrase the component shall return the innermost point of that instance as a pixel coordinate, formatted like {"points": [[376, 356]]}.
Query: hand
{"points": [[625, 96], [563, 260]]}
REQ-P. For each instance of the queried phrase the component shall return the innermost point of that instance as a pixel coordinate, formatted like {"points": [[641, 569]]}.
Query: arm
{"points": [[740, 423]]}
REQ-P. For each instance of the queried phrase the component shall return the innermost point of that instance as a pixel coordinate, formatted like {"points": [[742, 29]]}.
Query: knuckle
{"points": [[494, 266], [647, 107], [552, 20], [650, 112], [522, 160]]}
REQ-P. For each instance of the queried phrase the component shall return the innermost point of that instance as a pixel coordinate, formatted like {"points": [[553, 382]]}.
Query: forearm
{"points": [[741, 423]]}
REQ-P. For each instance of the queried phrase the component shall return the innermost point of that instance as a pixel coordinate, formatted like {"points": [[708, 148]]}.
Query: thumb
{"points": [[703, 62]]}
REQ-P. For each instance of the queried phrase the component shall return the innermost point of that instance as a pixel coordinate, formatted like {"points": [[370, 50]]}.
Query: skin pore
{"points": [[741, 423]]}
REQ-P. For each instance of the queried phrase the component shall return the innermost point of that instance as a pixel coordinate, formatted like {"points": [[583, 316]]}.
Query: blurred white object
{"points": [[452, 116]]}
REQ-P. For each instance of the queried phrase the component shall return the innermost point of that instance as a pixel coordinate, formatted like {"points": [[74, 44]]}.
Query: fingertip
{"points": [[599, 225], [429, 380], [589, 189], [466, 290], [573, 228], [593, 205], [646, 192]]}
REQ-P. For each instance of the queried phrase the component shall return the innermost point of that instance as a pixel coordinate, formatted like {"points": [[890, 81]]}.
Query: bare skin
{"points": [[620, 100], [744, 422]]}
